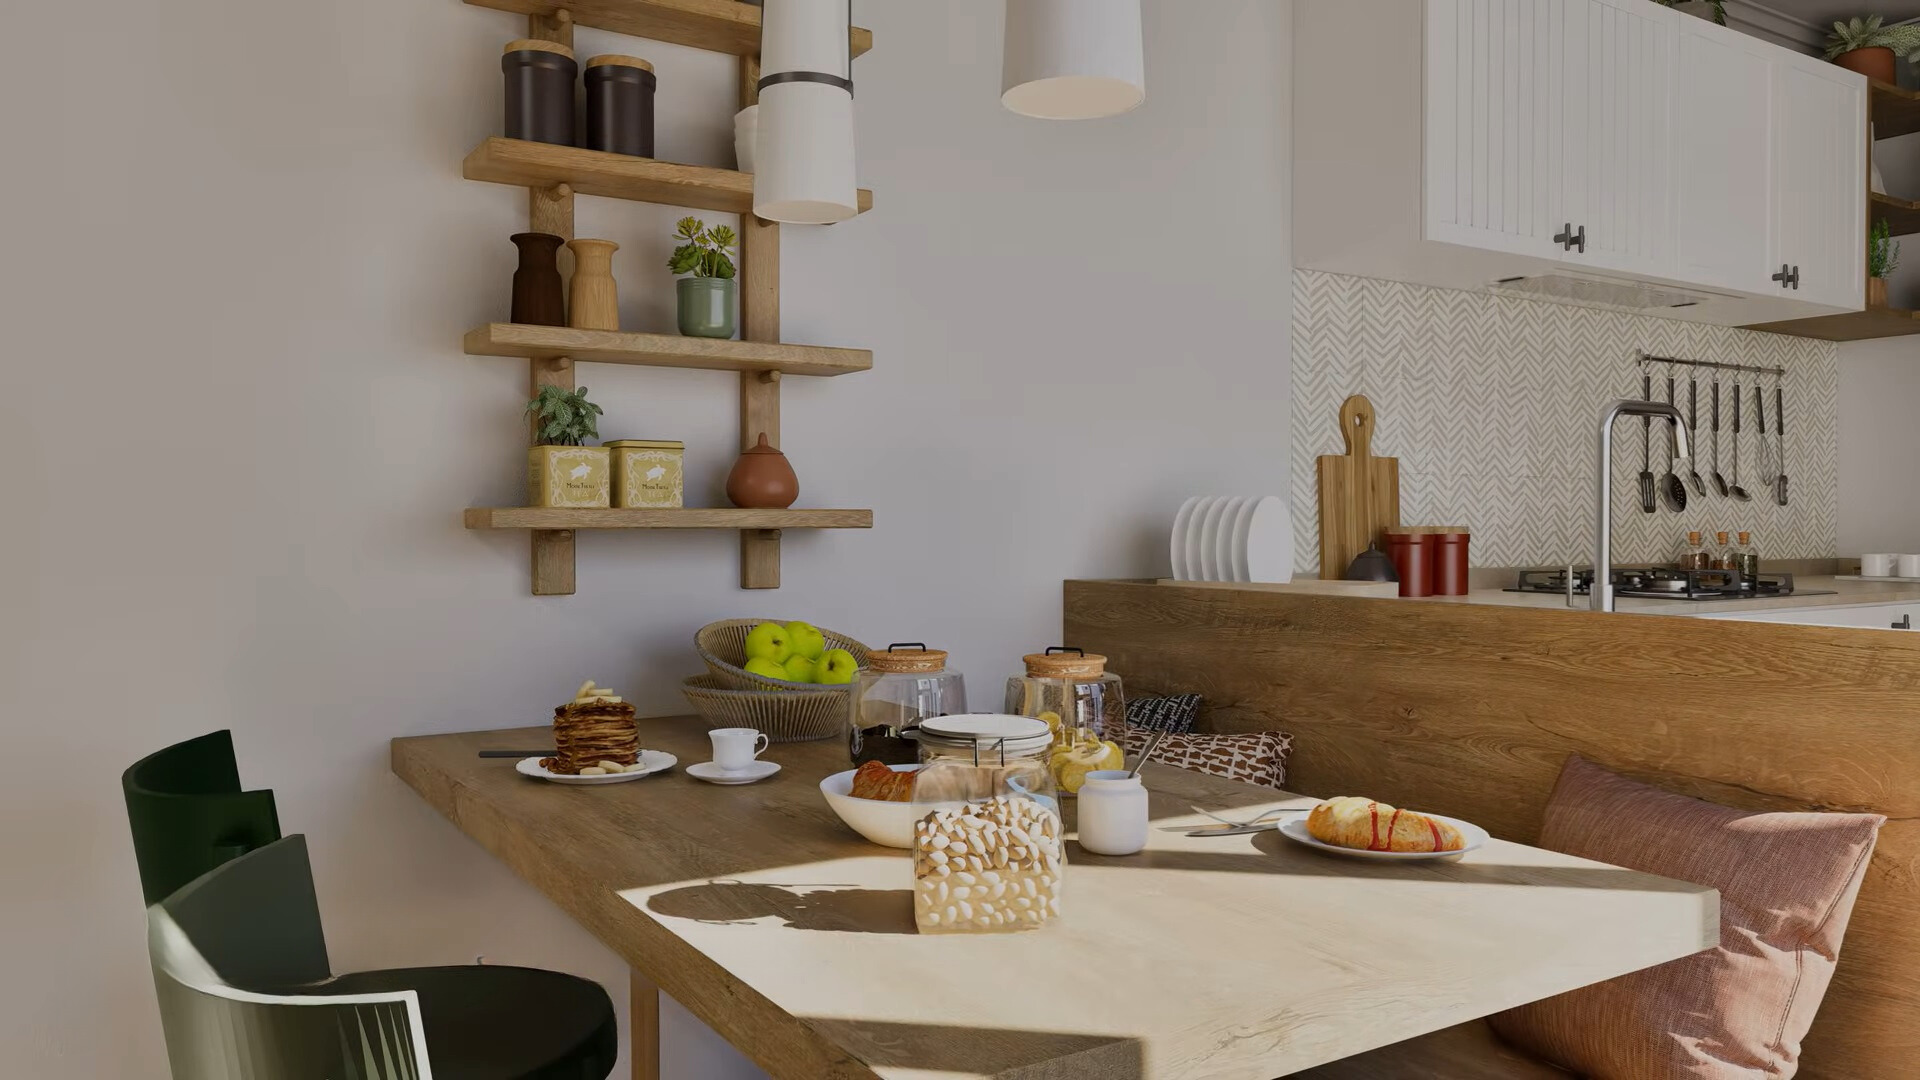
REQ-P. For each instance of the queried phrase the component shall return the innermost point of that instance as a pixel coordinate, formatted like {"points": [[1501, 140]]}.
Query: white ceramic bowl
{"points": [[889, 824]]}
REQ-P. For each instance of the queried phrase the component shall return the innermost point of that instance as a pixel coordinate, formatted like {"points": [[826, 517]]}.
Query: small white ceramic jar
{"points": [[1879, 565], [1113, 813]]}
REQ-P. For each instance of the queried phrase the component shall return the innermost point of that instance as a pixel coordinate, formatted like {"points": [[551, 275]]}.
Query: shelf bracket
{"points": [[550, 210], [759, 321]]}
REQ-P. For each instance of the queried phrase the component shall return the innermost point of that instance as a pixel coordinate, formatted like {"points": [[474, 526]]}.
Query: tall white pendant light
{"points": [[803, 168], [1072, 59]]}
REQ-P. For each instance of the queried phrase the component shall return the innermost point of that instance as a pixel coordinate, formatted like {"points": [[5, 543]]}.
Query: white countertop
{"points": [[1843, 593]]}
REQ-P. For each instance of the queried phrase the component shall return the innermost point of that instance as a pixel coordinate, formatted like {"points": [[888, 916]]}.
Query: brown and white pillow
{"points": [[1258, 757]]}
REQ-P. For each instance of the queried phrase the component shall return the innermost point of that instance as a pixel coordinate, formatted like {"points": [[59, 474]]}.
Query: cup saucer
{"points": [[714, 774]]}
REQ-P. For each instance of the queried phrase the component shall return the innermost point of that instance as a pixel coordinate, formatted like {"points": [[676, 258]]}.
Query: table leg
{"points": [[643, 1026]]}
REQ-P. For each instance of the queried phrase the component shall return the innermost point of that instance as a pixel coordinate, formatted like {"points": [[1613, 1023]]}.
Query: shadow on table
{"points": [[997, 1052], [802, 907], [1278, 855]]}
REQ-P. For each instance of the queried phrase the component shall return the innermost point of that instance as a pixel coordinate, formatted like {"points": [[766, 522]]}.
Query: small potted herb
{"points": [[707, 294], [1865, 46], [1711, 10], [561, 470], [1883, 258]]}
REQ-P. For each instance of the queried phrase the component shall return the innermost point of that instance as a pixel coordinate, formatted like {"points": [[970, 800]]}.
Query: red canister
{"points": [[1450, 561], [1412, 555]]}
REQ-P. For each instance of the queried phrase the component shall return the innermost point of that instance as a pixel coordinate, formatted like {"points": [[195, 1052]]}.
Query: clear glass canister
{"points": [[1082, 704], [987, 842], [899, 687]]}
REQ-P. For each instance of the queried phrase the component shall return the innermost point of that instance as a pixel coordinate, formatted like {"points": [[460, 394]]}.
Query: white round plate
{"points": [[1222, 543], [656, 761], [1191, 541], [1270, 541], [1177, 545], [1236, 540], [1209, 539], [714, 774], [1295, 829]]}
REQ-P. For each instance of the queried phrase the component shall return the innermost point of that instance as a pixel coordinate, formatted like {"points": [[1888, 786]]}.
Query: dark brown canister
{"points": [[539, 77], [620, 105], [1412, 555], [1450, 562]]}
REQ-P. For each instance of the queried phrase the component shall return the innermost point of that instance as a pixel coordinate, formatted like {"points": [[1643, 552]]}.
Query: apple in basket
{"points": [[772, 643], [836, 667]]}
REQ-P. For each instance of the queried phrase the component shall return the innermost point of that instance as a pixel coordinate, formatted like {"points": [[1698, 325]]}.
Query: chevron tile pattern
{"points": [[1490, 404]]}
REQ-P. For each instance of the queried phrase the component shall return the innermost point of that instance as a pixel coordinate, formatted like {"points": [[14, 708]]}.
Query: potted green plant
{"points": [[562, 470], [707, 294], [1883, 258], [1865, 46], [1711, 10]]}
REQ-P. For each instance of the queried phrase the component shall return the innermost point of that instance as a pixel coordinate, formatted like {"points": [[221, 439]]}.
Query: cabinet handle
{"points": [[1568, 239], [1905, 623], [1795, 280], [1784, 276]]}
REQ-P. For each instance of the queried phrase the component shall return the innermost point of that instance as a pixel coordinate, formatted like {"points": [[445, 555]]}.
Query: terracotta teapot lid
{"points": [[1065, 662], [908, 658], [761, 447]]}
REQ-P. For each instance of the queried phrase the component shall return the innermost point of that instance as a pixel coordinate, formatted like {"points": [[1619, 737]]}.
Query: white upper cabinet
{"points": [[1616, 89], [1723, 109], [1819, 203]]}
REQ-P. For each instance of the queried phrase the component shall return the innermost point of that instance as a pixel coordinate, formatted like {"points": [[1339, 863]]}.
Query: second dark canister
{"points": [[539, 85], [620, 105]]}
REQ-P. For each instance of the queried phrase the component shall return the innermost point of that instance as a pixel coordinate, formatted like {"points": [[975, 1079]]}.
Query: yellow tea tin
{"points": [[570, 476], [648, 473]]}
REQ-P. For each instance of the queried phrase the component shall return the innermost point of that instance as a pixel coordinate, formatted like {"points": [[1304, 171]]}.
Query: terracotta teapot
{"points": [[762, 480]]}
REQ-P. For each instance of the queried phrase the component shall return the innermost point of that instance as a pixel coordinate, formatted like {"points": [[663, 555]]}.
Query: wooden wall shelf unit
{"points": [[1893, 111], [553, 175], [615, 176]]}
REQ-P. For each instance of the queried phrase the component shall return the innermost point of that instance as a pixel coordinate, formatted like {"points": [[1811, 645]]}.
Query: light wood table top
{"points": [[1238, 958]]}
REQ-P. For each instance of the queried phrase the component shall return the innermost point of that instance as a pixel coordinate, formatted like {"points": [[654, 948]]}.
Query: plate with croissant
{"points": [[1370, 829]]}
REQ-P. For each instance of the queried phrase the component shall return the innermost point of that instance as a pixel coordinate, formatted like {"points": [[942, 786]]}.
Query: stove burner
{"points": [[1659, 583]]}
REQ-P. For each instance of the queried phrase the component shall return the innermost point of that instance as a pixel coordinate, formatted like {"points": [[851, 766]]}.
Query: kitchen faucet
{"points": [[1602, 591]]}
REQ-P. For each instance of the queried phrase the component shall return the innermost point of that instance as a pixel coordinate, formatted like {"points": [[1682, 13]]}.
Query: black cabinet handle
{"points": [[1580, 240], [1784, 276], [1795, 282], [1905, 623], [1565, 236]]}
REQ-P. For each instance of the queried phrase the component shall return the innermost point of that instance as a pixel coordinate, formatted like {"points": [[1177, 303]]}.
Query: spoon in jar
{"points": [[1146, 752]]}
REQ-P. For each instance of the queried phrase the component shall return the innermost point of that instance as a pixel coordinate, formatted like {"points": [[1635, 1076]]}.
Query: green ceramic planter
{"points": [[706, 307]]}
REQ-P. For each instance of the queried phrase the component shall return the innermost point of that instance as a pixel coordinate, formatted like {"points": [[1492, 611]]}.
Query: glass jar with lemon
{"points": [[1081, 703]]}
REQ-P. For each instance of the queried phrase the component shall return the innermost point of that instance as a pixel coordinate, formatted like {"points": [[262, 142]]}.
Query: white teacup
{"points": [[1907, 566], [734, 748], [1878, 565]]}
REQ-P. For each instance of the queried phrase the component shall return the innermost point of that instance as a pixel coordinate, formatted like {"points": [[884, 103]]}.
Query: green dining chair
{"points": [[189, 815], [246, 993]]}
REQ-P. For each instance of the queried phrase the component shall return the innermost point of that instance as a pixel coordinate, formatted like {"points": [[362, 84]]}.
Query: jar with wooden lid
{"points": [[988, 853], [539, 90], [648, 474], [896, 689], [1082, 704], [620, 105]]}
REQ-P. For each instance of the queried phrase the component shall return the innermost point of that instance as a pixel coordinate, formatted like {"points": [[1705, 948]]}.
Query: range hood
{"points": [[1592, 290]]}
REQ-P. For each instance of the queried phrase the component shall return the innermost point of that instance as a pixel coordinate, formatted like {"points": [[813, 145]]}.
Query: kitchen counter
{"points": [[1844, 593]]}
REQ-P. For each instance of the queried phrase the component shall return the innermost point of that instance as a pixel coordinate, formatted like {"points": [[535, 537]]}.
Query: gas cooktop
{"points": [[1665, 583]]}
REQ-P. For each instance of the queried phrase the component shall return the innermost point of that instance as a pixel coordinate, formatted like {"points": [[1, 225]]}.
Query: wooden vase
{"points": [[762, 479], [1876, 292], [594, 302], [539, 296]]}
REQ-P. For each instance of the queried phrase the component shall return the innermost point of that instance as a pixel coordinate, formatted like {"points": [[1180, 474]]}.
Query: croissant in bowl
{"points": [[874, 780], [1367, 825]]}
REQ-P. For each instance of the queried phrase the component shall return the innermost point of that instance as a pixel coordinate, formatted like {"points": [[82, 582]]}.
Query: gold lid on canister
{"points": [[536, 45], [618, 60], [1071, 664], [898, 660]]}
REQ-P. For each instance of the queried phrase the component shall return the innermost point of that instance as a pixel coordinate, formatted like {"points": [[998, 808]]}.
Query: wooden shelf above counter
{"points": [[1901, 215], [1895, 110], [553, 517], [715, 25], [662, 350], [615, 176], [1851, 326]]}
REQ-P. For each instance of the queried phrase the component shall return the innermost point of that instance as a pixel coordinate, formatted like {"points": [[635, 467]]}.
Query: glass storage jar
{"points": [[987, 839], [899, 687], [1083, 706]]}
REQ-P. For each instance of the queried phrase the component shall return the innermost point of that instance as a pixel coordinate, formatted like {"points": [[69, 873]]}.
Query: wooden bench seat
{"points": [[1467, 1052]]}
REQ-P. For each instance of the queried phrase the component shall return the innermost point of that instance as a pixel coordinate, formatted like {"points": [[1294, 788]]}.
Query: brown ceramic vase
{"points": [[762, 479], [539, 294]]}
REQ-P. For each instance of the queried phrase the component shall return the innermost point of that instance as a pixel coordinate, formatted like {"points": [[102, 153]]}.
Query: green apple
{"points": [[799, 669], [767, 669], [836, 666], [807, 639], [770, 642]]}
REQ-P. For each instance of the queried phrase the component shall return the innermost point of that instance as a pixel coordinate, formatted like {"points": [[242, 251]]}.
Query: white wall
{"points": [[240, 429]]}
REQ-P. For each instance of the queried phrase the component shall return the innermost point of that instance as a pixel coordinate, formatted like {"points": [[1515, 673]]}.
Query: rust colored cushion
{"points": [[1258, 757], [1787, 884]]}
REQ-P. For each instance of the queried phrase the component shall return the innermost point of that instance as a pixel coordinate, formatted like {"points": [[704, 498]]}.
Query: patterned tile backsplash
{"points": [[1491, 404]]}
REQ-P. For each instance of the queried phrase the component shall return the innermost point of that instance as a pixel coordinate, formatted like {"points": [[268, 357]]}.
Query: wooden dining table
{"points": [[1229, 958]]}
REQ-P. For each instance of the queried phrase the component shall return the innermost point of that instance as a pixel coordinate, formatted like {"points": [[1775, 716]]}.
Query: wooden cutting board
{"points": [[1359, 493]]}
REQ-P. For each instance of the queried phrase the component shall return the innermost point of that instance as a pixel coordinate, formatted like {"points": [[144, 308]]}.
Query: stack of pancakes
{"points": [[595, 726]]}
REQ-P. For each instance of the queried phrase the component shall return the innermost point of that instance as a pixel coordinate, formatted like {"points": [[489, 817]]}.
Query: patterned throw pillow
{"points": [[1258, 757], [1174, 715]]}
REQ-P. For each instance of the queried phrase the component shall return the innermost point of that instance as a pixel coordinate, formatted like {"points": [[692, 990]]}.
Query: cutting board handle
{"points": [[1356, 426]]}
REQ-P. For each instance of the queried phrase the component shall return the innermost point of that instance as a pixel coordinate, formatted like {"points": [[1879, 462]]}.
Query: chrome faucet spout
{"points": [[1601, 595]]}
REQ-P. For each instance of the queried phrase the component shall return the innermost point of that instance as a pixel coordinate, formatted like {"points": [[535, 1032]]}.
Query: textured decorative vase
{"points": [[1876, 292], [539, 296], [762, 479], [706, 306], [594, 303], [1875, 63]]}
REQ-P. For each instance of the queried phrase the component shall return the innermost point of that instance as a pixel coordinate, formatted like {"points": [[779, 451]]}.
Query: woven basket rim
{"points": [[804, 691], [726, 668]]}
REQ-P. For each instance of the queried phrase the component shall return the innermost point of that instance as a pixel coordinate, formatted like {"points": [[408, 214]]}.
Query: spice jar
{"points": [[1082, 705], [648, 474], [620, 105], [987, 842], [898, 688], [539, 77]]}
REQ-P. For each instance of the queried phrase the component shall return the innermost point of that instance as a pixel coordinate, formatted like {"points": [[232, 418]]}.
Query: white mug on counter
{"points": [[1879, 565], [1908, 566], [1113, 813], [734, 748]]}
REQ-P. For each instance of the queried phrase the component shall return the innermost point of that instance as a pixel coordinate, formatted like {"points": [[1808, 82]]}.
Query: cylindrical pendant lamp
{"points": [[803, 168], [1072, 59]]}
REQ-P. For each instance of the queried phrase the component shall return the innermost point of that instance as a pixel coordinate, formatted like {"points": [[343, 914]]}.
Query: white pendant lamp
{"points": [[1072, 59], [803, 167]]}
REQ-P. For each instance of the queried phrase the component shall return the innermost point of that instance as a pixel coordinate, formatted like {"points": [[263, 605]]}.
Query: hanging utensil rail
{"points": [[1646, 360]]}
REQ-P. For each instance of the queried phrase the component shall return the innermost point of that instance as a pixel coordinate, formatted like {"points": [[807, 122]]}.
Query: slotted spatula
{"points": [[1647, 496]]}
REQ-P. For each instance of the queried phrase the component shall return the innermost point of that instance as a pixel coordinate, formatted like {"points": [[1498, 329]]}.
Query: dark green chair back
{"points": [[255, 920], [189, 815]]}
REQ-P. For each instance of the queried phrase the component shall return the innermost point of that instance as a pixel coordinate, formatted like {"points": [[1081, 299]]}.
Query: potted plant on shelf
{"points": [[1711, 10], [1865, 46], [707, 296], [561, 471], [1883, 258]]}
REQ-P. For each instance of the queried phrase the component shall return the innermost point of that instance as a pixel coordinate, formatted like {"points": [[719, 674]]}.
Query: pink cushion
{"points": [[1258, 757], [1787, 884]]}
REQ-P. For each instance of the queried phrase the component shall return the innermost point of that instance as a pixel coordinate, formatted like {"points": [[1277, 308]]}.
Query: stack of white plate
{"points": [[1233, 538]]}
